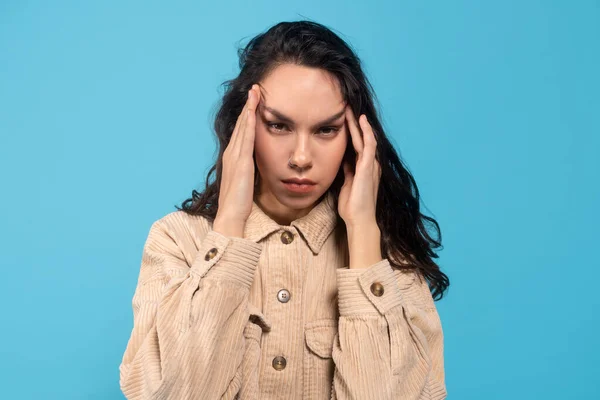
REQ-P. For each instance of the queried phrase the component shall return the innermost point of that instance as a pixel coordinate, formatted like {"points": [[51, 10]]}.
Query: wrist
{"points": [[228, 227], [361, 231], [364, 245]]}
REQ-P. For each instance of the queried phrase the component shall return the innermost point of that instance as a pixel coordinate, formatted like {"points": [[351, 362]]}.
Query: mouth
{"points": [[299, 185], [299, 181]]}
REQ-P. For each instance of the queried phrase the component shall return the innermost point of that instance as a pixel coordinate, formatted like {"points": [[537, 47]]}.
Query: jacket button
{"points": [[279, 363], [211, 254], [377, 289], [287, 237], [283, 295]]}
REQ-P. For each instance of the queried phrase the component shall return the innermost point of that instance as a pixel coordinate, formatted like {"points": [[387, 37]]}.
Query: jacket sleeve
{"points": [[388, 346], [186, 318]]}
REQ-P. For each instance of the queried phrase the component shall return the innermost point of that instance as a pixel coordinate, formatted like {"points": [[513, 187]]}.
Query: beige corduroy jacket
{"points": [[276, 314]]}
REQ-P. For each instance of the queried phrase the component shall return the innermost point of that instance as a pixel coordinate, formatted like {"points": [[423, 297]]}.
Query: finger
{"points": [[235, 140], [376, 173], [247, 133], [377, 179], [238, 121], [370, 143], [262, 93], [253, 103], [355, 133], [240, 118], [250, 130]]}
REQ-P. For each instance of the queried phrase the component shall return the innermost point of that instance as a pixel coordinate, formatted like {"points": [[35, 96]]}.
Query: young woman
{"points": [[304, 270]]}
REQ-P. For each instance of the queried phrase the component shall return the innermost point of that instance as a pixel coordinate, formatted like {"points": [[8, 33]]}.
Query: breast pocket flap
{"points": [[320, 335]]}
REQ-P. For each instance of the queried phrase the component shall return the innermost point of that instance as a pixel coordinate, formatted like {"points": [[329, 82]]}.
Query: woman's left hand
{"points": [[358, 197]]}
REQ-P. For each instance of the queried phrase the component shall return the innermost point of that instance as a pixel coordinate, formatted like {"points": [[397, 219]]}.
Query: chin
{"points": [[298, 201]]}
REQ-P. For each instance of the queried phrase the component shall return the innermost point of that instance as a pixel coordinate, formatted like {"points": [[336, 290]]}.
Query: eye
{"points": [[325, 131], [332, 130], [275, 126]]}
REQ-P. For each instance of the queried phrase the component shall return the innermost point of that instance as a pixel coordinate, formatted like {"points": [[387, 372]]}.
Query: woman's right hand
{"points": [[237, 181]]}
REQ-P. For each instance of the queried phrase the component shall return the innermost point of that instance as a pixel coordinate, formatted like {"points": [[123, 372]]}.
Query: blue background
{"points": [[105, 122]]}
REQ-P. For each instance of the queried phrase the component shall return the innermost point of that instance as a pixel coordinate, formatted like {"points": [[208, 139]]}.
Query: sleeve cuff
{"points": [[233, 258], [354, 290]]}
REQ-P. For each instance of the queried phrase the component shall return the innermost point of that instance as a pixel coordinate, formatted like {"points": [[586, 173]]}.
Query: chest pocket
{"points": [[245, 383], [318, 363]]}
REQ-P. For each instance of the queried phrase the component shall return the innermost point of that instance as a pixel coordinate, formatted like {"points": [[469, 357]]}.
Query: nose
{"points": [[300, 157]]}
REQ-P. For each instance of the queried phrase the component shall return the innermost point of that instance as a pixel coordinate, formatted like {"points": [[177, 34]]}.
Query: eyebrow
{"points": [[287, 119]]}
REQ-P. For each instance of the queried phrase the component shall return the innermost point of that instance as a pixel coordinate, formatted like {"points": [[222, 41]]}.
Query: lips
{"points": [[299, 181]]}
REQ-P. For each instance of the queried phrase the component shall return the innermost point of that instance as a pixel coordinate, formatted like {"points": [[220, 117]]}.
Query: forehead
{"points": [[302, 92]]}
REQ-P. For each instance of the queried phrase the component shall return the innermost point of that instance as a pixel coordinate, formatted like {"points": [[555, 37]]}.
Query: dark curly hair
{"points": [[405, 239]]}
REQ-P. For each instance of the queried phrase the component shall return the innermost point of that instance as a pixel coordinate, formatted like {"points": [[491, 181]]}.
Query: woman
{"points": [[279, 290]]}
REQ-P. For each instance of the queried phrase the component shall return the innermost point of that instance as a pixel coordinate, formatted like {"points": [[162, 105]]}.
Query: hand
{"points": [[358, 197], [237, 180]]}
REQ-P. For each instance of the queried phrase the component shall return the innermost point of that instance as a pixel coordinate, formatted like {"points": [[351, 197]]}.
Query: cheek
{"points": [[332, 157]]}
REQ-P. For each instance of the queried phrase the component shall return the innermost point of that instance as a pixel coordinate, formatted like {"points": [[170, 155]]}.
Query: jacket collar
{"points": [[314, 227]]}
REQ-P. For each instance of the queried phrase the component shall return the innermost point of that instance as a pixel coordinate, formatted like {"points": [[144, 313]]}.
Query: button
{"points": [[377, 289], [287, 237], [283, 296], [279, 363], [211, 254]]}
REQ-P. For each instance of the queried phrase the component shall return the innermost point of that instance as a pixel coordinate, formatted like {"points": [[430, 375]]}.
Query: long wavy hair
{"points": [[405, 239]]}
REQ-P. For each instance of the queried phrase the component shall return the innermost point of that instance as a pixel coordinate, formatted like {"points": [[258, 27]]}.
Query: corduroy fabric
{"points": [[210, 328]]}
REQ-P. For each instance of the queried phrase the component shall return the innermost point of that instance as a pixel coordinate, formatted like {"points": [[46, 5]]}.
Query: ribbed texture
{"points": [[238, 258], [210, 328], [355, 296]]}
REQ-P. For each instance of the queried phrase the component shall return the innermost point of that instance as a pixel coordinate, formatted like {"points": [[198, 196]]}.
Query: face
{"points": [[300, 119]]}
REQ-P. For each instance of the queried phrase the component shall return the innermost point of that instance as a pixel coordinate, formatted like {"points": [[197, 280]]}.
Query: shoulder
{"points": [[180, 222], [180, 233], [171, 246]]}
